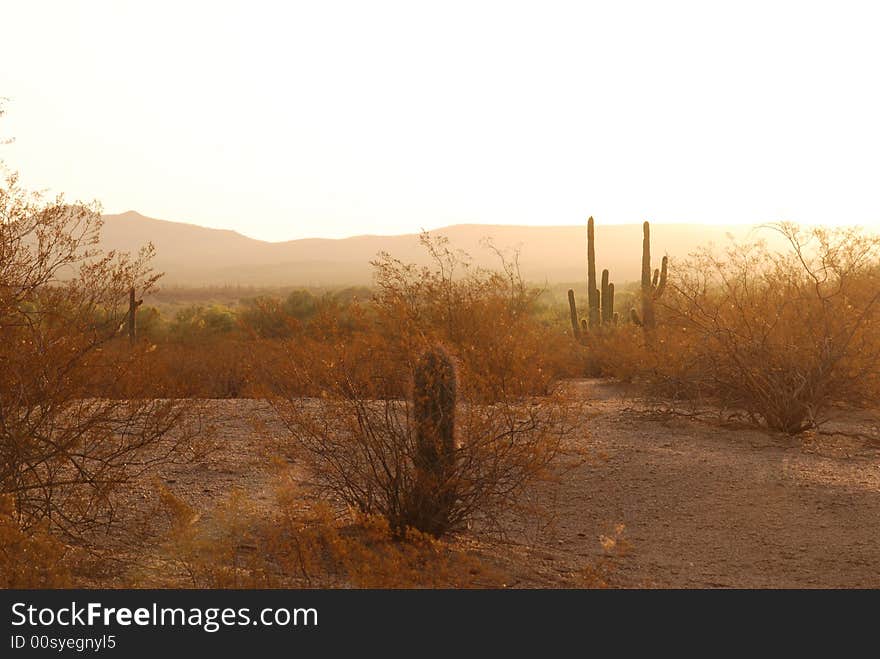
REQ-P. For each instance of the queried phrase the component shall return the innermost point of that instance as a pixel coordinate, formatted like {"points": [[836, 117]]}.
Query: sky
{"points": [[295, 119]]}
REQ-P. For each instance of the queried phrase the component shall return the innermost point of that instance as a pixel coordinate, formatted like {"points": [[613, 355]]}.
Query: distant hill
{"points": [[194, 255]]}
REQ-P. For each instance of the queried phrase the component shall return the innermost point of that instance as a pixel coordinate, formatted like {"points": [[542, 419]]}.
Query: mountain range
{"points": [[193, 255]]}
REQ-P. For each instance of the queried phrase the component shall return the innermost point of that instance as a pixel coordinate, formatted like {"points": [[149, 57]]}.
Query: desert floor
{"points": [[702, 505]]}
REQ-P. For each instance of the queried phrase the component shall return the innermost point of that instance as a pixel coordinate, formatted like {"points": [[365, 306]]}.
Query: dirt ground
{"points": [[702, 506]]}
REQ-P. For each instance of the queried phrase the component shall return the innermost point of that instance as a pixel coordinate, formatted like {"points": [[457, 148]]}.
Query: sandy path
{"points": [[703, 506], [710, 507]]}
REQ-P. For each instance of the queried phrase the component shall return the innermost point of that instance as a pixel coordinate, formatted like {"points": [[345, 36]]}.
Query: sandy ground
{"points": [[702, 506]]}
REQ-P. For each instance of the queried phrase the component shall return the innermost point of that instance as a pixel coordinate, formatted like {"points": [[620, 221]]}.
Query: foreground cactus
{"points": [[435, 390]]}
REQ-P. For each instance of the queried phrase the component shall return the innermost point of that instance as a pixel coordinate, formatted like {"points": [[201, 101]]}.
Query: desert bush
{"points": [[307, 545], [369, 451], [149, 324], [268, 318], [620, 353], [64, 446], [32, 558], [215, 555], [215, 367], [780, 336], [360, 432], [490, 319], [196, 322], [503, 333], [300, 305]]}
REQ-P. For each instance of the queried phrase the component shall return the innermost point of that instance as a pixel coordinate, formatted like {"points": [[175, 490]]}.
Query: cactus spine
{"points": [[435, 390]]}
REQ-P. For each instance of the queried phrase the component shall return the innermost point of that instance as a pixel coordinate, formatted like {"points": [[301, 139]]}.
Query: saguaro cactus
{"points": [[573, 311], [600, 304], [592, 291], [607, 299], [435, 390], [652, 286], [132, 315]]}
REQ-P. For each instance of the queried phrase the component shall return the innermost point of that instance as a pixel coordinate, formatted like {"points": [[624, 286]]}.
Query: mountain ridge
{"points": [[195, 255]]}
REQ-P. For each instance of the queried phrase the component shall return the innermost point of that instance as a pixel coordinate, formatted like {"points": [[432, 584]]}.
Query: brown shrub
{"points": [[489, 319], [358, 436], [307, 545], [216, 367], [64, 445], [619, 352], [780, 337], [29, 558], [361, 448]]}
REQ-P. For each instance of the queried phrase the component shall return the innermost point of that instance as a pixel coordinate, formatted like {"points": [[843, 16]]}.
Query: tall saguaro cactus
{"points": [[600, 304], [652, 285], [435, 390], [592, 291]]}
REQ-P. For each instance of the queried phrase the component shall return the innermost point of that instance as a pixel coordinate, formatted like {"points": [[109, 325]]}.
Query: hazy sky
{"points": [[291, 119]]}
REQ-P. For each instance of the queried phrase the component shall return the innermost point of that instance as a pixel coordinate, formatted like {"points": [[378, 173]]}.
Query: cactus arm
{"points": [[606, 313], [611, 313], [646, 255], [661, 285], [572, 307]]}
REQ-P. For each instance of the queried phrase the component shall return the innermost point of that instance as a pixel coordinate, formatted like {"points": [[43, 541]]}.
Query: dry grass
{"points": [[31, 558], [309, 546]]}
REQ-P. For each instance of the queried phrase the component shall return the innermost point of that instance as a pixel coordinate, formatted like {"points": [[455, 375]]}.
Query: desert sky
{"points": [[287, 120]]}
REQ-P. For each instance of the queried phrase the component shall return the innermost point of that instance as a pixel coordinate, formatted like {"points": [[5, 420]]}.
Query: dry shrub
{"points": [[267, 318], [492, 320], [30, 558], [780, 337], [215, 555], [362, 448], [216, 367], [619, 352], [489, 319], [357, 434], [315, 547], [307, 545], [65, 448]]}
